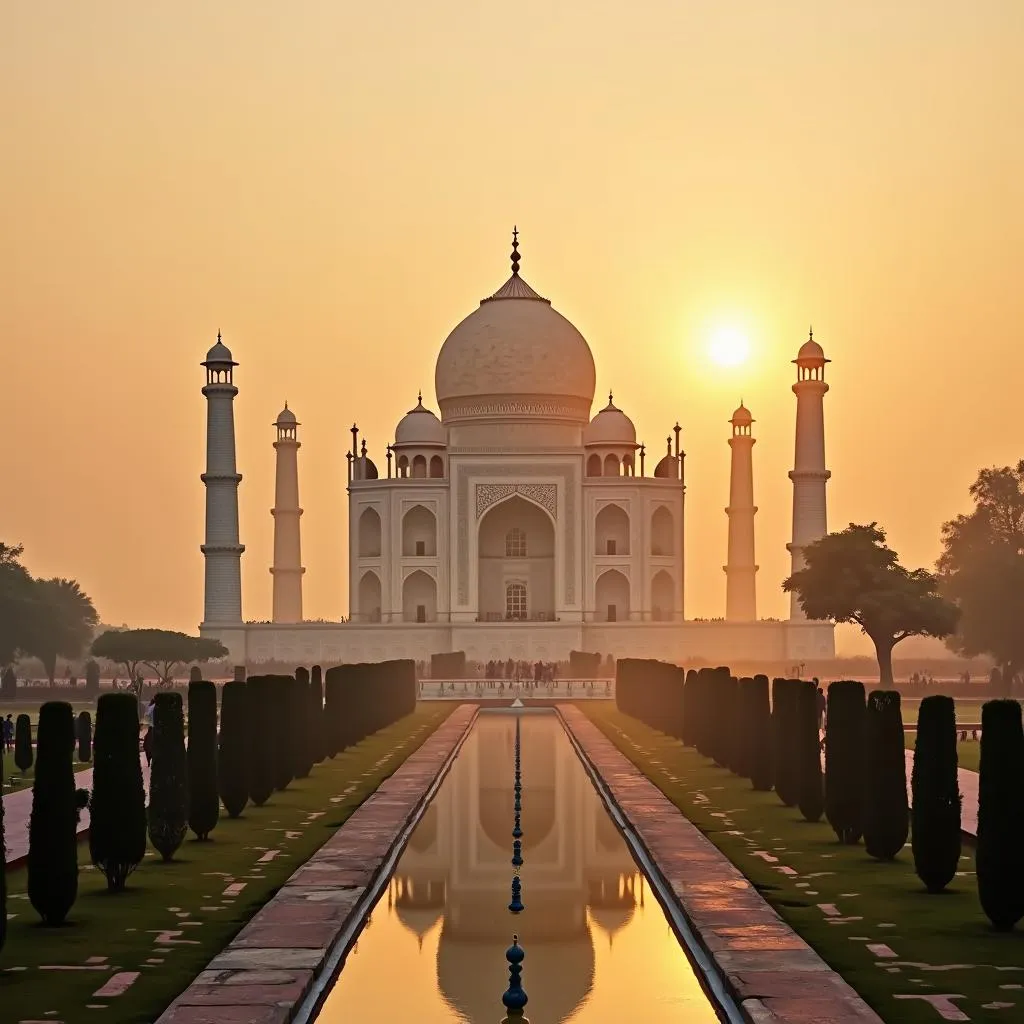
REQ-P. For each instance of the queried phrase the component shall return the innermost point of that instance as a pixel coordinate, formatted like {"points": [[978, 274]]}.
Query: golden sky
{"points": [[333, 186]]}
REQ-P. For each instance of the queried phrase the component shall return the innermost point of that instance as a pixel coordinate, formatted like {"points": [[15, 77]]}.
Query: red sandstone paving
{"points": [[793, 984], [293, 923]]}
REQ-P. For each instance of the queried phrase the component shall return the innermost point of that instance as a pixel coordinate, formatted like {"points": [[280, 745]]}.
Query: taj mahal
{"points": [[514, 524]]}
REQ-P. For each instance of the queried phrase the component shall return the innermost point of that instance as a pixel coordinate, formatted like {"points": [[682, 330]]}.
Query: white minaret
{"points": [[809, 474], [223, 553], [287, 569], [741, 572]]}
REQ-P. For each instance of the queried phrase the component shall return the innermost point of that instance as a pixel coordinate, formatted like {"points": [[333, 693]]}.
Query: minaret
{"points": [[223, 553], [809, 474], [287, 569], [741, 572]]}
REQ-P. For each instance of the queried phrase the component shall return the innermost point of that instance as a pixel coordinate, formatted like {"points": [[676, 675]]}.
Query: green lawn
{"points": [[968, 752], [14, 780], [944, 944], [186, 896]]}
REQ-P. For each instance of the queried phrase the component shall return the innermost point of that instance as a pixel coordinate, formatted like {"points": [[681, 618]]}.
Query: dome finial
{"points": [[810, 333], [218, 334], [515, 251]]}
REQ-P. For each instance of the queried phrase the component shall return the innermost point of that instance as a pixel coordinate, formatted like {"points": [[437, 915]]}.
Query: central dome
{"points": [[515, 357]]}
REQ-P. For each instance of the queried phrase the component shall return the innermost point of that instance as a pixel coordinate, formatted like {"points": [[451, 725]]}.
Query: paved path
{"points": [[968, 792], [18, 809]]}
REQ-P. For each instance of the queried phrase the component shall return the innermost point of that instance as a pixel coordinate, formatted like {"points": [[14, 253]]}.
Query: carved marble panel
{"points": [[545, 495]]}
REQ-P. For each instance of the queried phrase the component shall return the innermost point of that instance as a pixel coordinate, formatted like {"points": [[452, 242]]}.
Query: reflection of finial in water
{"points": [[515, 998]]}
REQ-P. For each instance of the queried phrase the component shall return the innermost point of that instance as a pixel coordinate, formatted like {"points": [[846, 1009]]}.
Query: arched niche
{"points": [[402, 466], [419, 597], [611, 597], [369, 597], [419, 532], [663, 597], [663, 534], [369, 533], [436, 467], [611, 531], [611, 465], [419, 467], [594, 465]]}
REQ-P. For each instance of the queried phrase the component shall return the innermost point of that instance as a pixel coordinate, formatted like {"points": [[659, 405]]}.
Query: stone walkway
{"points": [[270, 967], [771, 972]]}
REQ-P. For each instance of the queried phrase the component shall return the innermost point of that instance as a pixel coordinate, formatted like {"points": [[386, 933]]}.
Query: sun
{"points": [[729, 347]]}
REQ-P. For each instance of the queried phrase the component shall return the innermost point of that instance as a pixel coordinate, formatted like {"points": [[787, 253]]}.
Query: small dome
{"points": [[741, 417], [369, 470], [419, 426], [667, 468], [286, 418], [220, 353], [611, 426], [811, 353]]}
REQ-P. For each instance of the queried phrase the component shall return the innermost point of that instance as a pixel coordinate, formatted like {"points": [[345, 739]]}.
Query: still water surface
{"points": [[598, 946]]}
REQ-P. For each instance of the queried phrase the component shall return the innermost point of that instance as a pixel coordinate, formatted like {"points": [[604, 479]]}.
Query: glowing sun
{"points": [[729, 347]]}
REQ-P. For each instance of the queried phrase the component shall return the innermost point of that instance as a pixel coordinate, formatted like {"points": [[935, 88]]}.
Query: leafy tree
{"points": [[981, 568], [203, 797], [853, 576], [886, 815], [18, 603], [53, 826], [23, 743], [935, 836], [161, 650], [117, 810], [64, 623], [168, 777]]}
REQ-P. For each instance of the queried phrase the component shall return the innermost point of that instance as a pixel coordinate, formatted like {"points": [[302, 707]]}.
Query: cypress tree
{"points": [[808, 751], [785, 730], [302, 736], [1000, 821], [203, 798], [317, 739], [281, 695], [935, 836], [844, 760], [886, 814], [168, 777], [233, 754], [83, 733], [761, 767], [53, 826], [117, 809], [8, 683], [263, 739], [23, 743], [92, 678], [3, 867]]}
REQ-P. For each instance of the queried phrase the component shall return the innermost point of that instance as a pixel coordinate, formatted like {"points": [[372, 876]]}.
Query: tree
{"points": [[203, 796], [117, 810], [844, 760], [761, 767], [64, 622], [935, 836], [316, 715], [807, 745], [3, 867], [784, 734], [168, 777], [234, 749], [1000, 822], [886, 815], [18, 604], [303, 738], [92, 678], [23, 743], [83, 734], [53, 826], [161, 650], [981, 568], [282, 697], [853, 576], [264, 738]]}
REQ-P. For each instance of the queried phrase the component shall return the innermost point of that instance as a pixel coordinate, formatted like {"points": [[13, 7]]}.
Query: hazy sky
{"points": [[333, 185]]}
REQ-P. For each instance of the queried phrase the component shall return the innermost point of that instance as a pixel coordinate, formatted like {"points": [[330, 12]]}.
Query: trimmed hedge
{"points": [[448, 665], [281, 699], [3, 867], [361, 699], [785, 733], [233, 748], [168, 777], [203, 793], [8, 684], [886, 814], [23, 743], [1000, 817], [316, 738], [760, 735], [808, 751], [83, 736], [53, 826], [302, 746], [935, 836], [117, 809], [263, 739], [844, 760]]}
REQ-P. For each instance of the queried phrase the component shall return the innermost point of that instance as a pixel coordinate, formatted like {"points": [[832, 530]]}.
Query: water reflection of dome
{"points": [[425, 834], [419, 904], [472, 976], [612, 902]]}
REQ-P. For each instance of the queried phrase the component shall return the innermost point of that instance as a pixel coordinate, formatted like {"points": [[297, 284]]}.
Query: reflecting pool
{"points": [[599, 948]]}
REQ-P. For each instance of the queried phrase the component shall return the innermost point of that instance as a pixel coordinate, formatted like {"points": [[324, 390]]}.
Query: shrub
{"points": [[117, 808], [23, 743], [8, 683], [233, 752], [316, 738], [261, 751], [301, 737], [689, 707], [807, 744], [1000, 821], [92, 678], [844, 760], [203, 797], [168, 777], [3, 867], [785, 697], [53, 826], [83, 734], [761, 753], [935, 836], [281, 696], [886, 814]]}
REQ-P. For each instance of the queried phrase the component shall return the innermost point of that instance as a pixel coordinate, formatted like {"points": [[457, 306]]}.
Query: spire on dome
{"points": [[810, 333], [515, 287], [515, 251]]}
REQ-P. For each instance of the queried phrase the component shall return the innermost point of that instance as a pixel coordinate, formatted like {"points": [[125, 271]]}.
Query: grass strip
{"points": [[942, 944], [175, 917]]}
